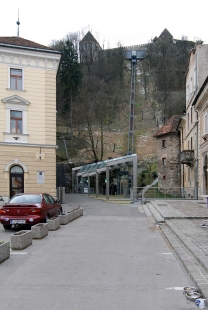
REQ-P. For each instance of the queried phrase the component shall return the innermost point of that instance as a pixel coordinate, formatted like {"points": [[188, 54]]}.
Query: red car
{"points": [[29, 209]]}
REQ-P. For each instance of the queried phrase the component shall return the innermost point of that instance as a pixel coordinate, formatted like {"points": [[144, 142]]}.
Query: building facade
{"points": [[27, 117], [194, 125]]}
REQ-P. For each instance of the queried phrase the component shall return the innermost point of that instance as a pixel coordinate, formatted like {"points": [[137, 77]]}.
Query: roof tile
{"points": [[170, 126], [18, 41]]}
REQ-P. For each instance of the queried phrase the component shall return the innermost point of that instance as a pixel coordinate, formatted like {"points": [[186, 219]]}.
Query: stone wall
{"points": [[168, 161]]}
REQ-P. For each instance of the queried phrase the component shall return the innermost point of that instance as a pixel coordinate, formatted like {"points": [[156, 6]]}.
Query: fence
{"points": [[148, 193]]}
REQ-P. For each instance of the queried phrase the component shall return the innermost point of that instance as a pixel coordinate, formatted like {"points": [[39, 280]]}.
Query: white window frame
{"points": [[22, 106], [9, 70]]}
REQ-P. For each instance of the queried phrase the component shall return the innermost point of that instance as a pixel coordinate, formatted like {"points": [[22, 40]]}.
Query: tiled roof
{"points": [[170, 126], [17, 41]]}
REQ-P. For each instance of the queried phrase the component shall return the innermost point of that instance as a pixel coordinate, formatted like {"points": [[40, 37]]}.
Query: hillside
{"points": [[101, 112]]}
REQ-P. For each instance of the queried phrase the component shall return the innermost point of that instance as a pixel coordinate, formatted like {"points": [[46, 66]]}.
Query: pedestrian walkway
{"points": [[180, 222]]}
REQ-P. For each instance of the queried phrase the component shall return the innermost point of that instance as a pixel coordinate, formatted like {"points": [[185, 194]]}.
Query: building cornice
{"points": [[29, 58], [47, 146]]}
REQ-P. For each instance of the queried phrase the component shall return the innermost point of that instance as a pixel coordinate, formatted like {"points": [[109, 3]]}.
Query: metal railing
{"points": [[150, 193]]}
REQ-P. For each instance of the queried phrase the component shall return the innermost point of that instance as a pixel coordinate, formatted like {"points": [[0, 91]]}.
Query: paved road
{"points": [[111, 258]]}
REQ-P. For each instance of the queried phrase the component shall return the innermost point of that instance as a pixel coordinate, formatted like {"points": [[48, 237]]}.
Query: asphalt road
{"points": [[111, 258]]}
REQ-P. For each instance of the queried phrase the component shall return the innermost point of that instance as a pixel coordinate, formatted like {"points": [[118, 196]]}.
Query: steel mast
{"points": [[133, 56]]}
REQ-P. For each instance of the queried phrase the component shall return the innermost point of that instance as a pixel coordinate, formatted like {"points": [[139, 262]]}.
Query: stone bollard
{"points": [[64, 218], [21, 240], [54, 223], [4, 251], [39, 231], [71, 216]]}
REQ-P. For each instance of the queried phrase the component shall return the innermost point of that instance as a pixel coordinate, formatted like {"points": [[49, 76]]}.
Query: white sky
{"points": [[130, 22]]}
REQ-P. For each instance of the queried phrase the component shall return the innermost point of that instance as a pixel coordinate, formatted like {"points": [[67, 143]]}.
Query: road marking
{"points": [[167, 253], [177, 288], [22, 253]]}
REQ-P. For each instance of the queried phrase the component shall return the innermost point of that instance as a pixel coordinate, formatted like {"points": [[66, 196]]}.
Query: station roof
{"points": [[115, 163]]}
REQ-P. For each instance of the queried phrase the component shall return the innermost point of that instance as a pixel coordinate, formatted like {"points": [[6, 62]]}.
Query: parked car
{"points": [[24, 209]]}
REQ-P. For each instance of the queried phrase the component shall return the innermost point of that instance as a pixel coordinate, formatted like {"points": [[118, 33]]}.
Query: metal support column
{"points": [[107, 182], [82, 191], [72, 182], [97, 184], [88, 185], [77, 182], [134, 175]]}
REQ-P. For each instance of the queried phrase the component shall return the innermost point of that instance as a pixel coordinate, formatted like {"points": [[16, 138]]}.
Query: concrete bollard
{"points": [[21, 240], [39, 231], [4, 251]]}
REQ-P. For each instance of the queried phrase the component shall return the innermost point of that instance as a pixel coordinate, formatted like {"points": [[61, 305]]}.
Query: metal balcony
{"points": [[187, 157]]}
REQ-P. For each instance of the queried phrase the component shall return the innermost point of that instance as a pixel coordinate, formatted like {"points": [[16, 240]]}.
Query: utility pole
{"points": [[133, 56]]}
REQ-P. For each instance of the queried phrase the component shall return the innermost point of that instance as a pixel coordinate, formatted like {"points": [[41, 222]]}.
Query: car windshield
{"points": [[26, 199]]}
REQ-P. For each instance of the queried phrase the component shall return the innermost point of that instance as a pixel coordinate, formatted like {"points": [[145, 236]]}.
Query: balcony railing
{"points": [[187, 157]]}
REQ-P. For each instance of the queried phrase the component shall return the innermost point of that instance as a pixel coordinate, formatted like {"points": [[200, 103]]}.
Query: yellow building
{"points": [[27, 117]]}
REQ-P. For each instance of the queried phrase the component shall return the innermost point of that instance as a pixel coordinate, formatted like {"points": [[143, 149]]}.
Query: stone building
{"points": [[89, 48], [168, 150]]}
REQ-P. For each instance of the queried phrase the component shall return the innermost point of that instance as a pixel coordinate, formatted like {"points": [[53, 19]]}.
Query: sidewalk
{"points": [[180, 223]]}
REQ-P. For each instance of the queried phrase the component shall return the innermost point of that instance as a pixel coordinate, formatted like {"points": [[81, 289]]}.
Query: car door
{"points": [[48, 205], [55, 207]]}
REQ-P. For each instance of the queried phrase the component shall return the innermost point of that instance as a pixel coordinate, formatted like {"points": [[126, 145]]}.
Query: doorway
{"points": [[16, 180]]}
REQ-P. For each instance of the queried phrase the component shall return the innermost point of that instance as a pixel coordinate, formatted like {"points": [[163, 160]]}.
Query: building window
{"points": [[16, 79], [163, 143], [187, 93], [205, 124], [15, 121], [164, 177], [190, 88], [195, 77], [164, 161]]}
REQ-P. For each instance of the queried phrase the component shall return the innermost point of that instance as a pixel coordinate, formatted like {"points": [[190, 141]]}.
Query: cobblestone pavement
{"points": [[189, 208]]}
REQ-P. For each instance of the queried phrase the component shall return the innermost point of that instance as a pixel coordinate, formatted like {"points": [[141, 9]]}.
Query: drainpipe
{"points": [[197, 156]]}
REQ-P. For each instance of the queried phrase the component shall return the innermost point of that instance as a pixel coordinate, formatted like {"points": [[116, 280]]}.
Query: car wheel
{"points": [[6, 227], [46, 219]]}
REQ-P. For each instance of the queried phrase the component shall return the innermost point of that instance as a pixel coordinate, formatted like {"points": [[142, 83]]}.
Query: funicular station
{"points": [[110, 177]]}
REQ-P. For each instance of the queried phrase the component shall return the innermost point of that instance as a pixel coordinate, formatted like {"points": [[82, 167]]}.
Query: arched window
{"points": [[16, 169]]}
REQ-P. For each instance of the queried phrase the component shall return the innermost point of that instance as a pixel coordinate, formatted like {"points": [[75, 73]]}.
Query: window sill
{"points": [[19, 90], [16, 134]]}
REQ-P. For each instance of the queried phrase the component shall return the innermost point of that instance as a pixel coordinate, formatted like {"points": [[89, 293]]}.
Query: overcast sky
{"points": [[130, 22]]}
